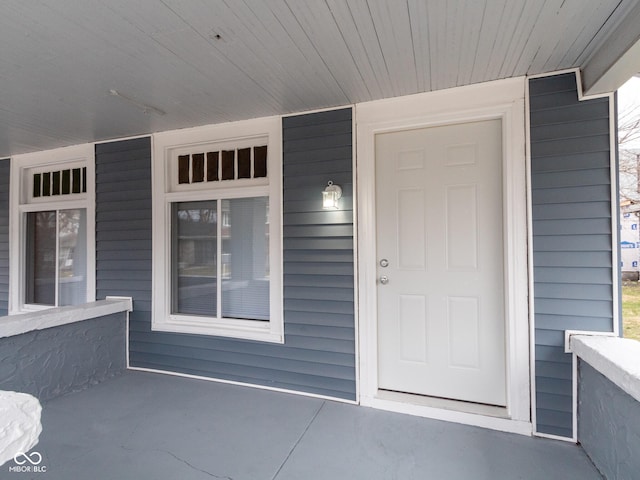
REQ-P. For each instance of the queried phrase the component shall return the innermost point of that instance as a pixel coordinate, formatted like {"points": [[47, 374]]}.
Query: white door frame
{"points": [[502, 99]]}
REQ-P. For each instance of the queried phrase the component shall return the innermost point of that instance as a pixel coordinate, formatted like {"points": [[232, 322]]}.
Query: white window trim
{"points": [[164, 193], [21, 203]]}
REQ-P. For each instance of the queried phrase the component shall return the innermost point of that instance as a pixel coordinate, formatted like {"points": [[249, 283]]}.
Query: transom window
{"points": [[216, 166], [217, 231]]}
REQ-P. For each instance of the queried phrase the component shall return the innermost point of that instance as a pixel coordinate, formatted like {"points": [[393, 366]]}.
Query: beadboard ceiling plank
{"points": [[294, 35], [247, 39], [587, 21], [366, 31], [606, 32], [434, 15], [393, 31], [527, 21], [509, 21], [356, 42], [60, 60], [471, 13], [492, 19], [544, 37], [318, 22], [562, 31]]}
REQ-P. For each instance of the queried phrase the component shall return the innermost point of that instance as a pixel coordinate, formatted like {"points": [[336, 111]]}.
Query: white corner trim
{"points": [[530, 277], [355, 207], [53, 317], [616, 358]]}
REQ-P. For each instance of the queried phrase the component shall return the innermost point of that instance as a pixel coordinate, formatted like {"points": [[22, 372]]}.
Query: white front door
{"points": [[441, 321]]}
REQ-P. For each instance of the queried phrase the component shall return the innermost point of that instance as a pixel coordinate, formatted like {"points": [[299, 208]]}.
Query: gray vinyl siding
{"points": [[123, 224], [318, 355], [572, 235], [5, 166]]}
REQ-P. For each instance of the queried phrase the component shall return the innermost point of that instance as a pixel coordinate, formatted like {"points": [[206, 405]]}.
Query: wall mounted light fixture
{"points": [[330, 196]]}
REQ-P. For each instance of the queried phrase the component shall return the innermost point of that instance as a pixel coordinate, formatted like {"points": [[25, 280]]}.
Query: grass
{"points": [[631, 309]]}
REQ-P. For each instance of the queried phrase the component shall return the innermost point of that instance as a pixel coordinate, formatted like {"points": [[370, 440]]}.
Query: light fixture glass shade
{"points": [[330, 196]]}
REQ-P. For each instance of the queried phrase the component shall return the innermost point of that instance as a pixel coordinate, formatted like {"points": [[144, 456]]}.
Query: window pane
{"points": [[212, 166], [72, 257], [260, 162], [244, 163], [194, 267], [66, 182], [183, 169], [56, 183], [228, 165], [36, 184], [245, 259], [40, 285], [197, 168], [76, 180], [46, 184]]}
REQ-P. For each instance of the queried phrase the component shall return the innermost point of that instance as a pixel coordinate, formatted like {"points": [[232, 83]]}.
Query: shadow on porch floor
{"points": [[149, 426]]}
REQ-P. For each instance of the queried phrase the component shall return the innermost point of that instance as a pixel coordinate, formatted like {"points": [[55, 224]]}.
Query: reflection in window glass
{"points": [[245, 259], [212, 166], [72, 257], [194, 259], [65, 266], [41, 258]]}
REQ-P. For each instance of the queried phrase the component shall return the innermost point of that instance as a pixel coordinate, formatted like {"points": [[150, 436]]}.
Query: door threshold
{"points": [[484, 416], [443, 403]]}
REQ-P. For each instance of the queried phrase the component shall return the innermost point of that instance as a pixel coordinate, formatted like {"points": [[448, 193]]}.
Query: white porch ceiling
{"points": [[212, 61]]}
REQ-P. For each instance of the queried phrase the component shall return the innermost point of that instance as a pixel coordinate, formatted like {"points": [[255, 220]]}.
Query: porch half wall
{"points": [[318, 355], [572, 222]]}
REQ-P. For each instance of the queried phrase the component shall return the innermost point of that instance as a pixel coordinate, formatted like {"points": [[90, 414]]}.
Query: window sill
{"points": [[616, 358], [233, 329], [52, 317]]}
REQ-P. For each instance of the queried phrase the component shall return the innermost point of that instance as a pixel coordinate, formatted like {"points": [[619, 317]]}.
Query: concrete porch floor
{"points": [[150, 426]]}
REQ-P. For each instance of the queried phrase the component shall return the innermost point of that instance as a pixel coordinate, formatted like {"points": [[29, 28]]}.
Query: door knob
{"points": [[384, 279]]}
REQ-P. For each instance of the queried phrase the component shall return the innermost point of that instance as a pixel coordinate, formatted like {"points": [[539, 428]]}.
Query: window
{"points": [[217, 249], [52, 225], [56, 257]]}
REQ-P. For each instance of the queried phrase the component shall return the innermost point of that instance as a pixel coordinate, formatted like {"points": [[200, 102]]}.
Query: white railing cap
{"points": [[52, 317], [616, 358]]}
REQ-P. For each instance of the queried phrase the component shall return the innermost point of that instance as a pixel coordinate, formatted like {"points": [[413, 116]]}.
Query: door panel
{"points": [[439, 224]]}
